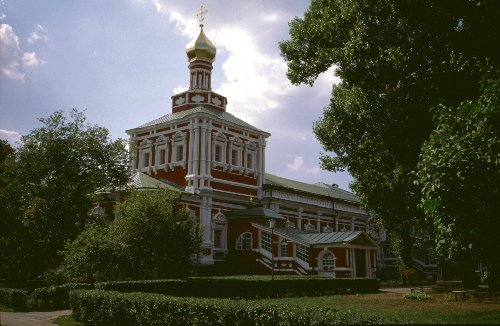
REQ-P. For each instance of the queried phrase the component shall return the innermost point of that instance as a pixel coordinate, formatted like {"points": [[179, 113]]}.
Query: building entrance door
{"points": [[359, 255]]}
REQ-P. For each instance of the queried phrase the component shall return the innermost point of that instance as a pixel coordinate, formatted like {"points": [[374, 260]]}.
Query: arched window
{"points": [[244, 241], [328, 262]]}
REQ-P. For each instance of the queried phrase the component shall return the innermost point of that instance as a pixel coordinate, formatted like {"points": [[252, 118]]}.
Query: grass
{"points": [[5, 309], [66, 320], [439, 310]]}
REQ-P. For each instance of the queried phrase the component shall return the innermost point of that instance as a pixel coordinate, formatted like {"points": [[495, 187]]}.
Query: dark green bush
{"points": [[97, 307], [14, 298], [54, 297], [245, 288]]}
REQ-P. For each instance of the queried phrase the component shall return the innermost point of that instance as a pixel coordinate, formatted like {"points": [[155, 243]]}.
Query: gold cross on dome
{"points": [[200, 14]]}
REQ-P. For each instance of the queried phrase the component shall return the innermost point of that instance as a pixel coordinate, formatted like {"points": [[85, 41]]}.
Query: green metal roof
{"points": [[141, 180], [254, 212], [319, 238], [218, 114], [321, 189]]}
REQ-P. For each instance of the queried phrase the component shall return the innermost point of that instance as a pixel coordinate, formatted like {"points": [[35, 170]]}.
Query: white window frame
{"points": [[219, 223], [145, 147], [329, 267], [235, 144], [219, 139], [179, 139], [243, 240], [250, 151], [284, 248], [161, 145], [265, 242], [302, 253]]}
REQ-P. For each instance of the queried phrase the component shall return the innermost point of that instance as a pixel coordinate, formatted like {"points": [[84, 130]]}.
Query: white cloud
{"points": [[12, 57], [10, 53], [30, 60], [39, 34], [180, 89], [3, 16], [12, 137], [256, 81], [297, 165]]}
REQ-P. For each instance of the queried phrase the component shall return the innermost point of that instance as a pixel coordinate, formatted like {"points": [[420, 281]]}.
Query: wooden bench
{"points": [[479, 296], [424, 289], [461, 294]]}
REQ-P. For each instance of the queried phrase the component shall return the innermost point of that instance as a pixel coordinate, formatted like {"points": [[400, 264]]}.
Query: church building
{"points": [[249, 220]]}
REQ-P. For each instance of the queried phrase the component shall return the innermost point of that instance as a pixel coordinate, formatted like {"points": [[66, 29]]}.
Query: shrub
{"points": [[14, 298], [245, 288], [54, 297], [96, 307], [417, 296], [151, 238]]}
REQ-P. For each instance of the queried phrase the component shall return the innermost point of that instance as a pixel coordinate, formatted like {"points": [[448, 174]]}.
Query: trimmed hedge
{"points": [[97, 307], [46, 298], [54, 297], [14, 298], [245, 288]]}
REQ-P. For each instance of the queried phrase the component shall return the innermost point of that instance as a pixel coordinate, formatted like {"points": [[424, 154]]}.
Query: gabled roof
{"points": [[254, 212], [141, 180], [218, 114], [321, 189], [326, 238]]}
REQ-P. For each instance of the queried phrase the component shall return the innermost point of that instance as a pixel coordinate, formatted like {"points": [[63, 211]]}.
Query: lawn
{"points": [[436, 311]]}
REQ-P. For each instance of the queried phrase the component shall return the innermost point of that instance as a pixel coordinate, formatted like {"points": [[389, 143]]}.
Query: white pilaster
{"points": [[206, 223], [318, 221], [299, 218]]}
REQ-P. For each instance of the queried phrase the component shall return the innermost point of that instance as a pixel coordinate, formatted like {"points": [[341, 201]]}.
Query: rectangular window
{"points": [[302, 253], [234, 157], [250, 160], [179, 153], [145, 162], [217, 238], [283, 248], [162, 156], [265, 241], [218, 153]]}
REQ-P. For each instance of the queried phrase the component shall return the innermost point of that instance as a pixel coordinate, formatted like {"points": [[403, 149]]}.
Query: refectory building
{"points": [[249, 221]]}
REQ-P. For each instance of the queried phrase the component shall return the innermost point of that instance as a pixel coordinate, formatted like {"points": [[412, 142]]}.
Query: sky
{"points": [[122, 60]]}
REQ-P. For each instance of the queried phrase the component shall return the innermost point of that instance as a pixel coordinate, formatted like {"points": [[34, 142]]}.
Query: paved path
{"points": [[31, 318]]}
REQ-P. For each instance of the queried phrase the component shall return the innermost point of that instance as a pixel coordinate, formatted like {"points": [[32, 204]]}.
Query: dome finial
{"points": [[200, 14], [200, 48]]}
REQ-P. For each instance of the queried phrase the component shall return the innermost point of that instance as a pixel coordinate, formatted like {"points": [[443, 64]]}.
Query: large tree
{"points": [[48, 182], [397, 60], [459, 171]]}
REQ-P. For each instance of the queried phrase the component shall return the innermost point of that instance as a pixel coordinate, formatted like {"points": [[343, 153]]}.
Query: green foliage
{"points": [[417, 296], [46, 298], [151, 238], [46, 186], [14, 298], [113, 308], [245, 288], [95, 255], [397, 60], [53, 297], [459, 171]]}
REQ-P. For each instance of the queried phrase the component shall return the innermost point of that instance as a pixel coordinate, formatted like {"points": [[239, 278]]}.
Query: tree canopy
{"points": [[459, 171], [47, 186], [151, 237], [397, 60]]}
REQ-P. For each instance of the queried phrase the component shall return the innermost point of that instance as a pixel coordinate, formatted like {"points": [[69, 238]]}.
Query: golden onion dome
{"points": [[200, 48]]}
